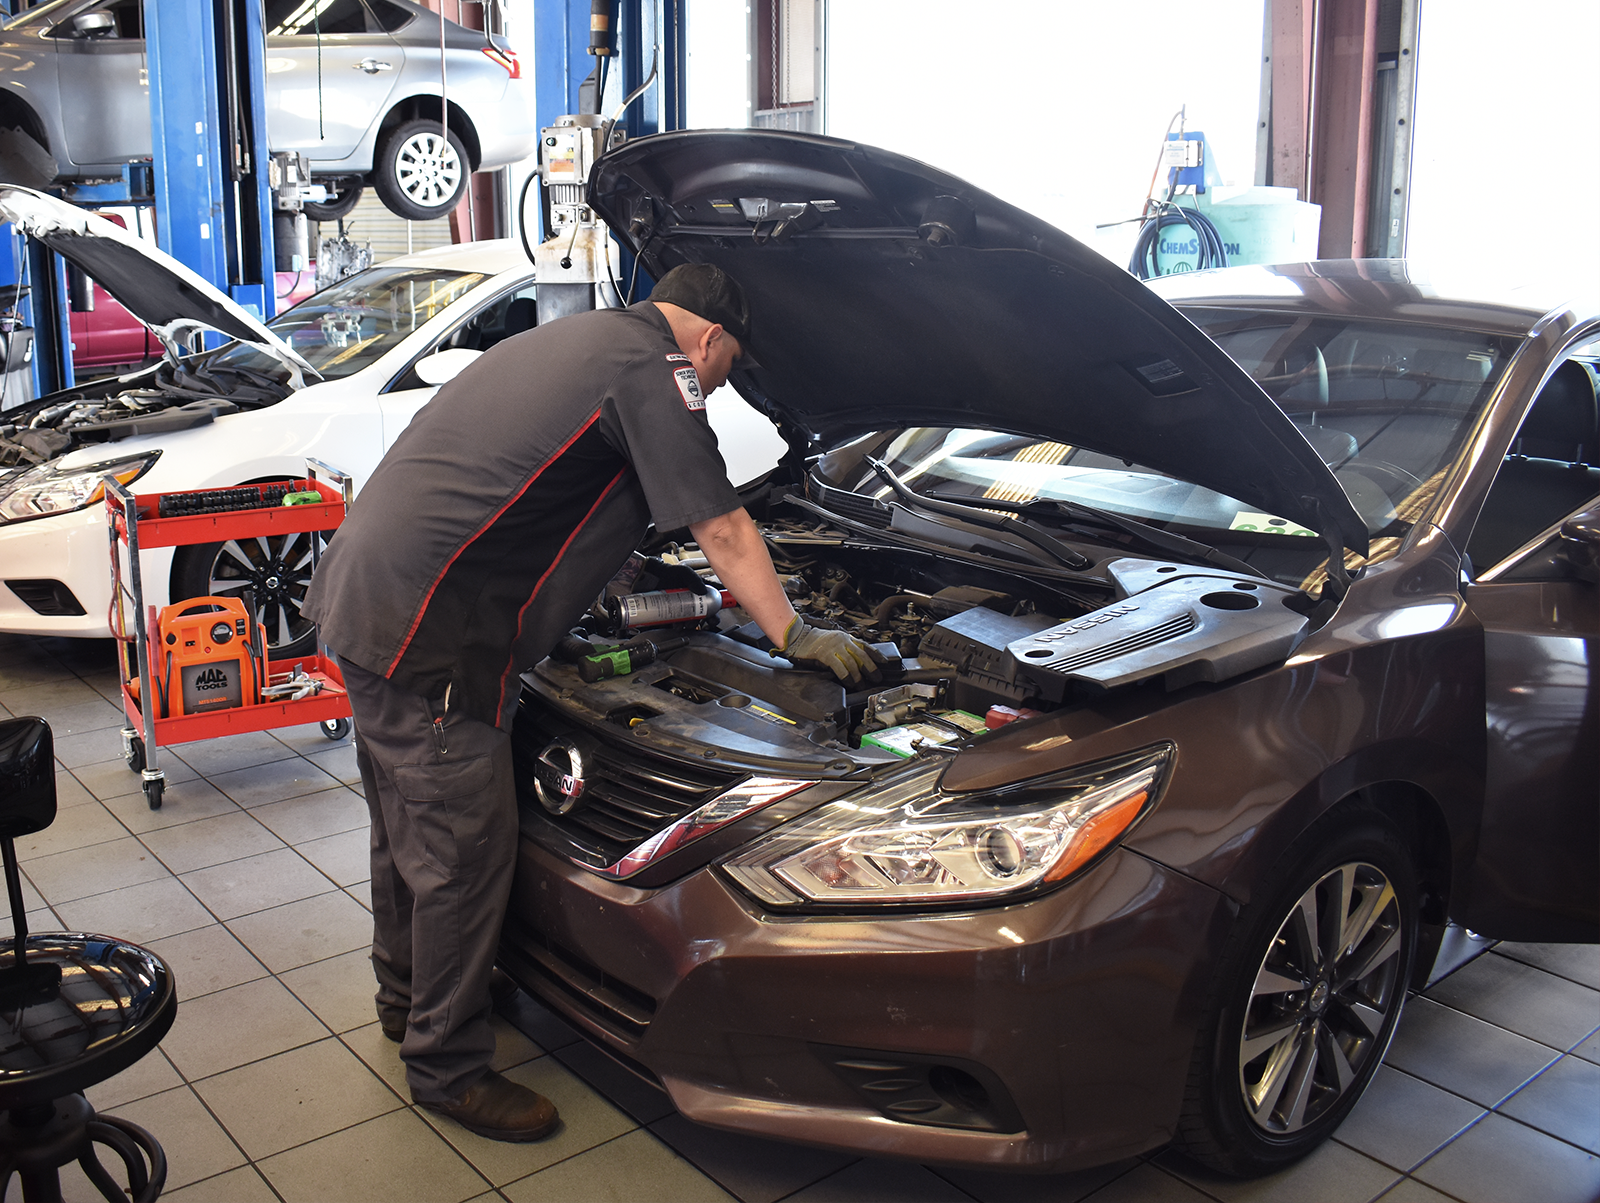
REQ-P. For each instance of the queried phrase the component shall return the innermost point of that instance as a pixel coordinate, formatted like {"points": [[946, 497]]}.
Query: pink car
{"points": [[105, 335]]}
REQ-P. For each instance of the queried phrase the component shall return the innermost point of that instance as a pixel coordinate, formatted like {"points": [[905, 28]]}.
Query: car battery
{"points": [[937, 729], [209, 659]]}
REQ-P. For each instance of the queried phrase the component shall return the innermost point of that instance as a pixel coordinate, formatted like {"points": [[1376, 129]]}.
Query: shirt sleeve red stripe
{"points": [[539, 584], [490, 521]]}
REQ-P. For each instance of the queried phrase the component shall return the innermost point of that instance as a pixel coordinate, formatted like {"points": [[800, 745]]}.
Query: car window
{"points": [[390, 17], [310, 17], [1551, 472], [127, 21], [1386, 405], [344, 328], [510, 313]]}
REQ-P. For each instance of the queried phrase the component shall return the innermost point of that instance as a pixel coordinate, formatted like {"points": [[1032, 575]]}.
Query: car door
{"points": [[105, 93], [508, 314], [1537, 871], [330, 72]]}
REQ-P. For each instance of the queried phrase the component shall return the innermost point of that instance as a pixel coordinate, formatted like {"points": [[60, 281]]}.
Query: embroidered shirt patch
{"points": [[677, 357], [689, 386]]}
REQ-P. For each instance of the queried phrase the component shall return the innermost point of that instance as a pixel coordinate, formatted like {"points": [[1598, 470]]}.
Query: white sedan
{"points": [[382, 341]]}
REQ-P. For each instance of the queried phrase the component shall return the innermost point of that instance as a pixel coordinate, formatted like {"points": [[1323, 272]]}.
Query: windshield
{"points": [[342, 329], [1386, 406]]}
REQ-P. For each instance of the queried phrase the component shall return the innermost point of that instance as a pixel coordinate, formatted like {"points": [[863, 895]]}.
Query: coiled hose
{"points": [[1209, 252]]}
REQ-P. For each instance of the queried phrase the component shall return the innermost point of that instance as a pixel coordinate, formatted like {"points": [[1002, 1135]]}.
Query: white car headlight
{"points": [[904, 840], [47, 489]]}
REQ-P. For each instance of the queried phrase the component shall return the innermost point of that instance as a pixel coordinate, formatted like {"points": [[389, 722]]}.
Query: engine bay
{"points": [[158, 400], [966, 648]]}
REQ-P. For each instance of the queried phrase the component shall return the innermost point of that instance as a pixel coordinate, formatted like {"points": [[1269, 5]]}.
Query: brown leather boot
{"points": [[498, 1108]]}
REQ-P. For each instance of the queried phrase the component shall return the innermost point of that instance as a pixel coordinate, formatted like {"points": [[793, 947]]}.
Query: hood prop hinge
{"points": [[1339, 578]]}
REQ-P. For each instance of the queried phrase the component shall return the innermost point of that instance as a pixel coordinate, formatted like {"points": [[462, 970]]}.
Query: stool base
{"points": [[36, 1141]]}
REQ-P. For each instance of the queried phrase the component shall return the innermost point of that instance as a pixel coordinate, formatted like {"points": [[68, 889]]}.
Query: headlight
{"points": [[904, 840], [47, 489]]}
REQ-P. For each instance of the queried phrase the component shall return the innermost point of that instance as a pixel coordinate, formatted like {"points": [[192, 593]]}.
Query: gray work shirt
{"points": [[511, 499]]}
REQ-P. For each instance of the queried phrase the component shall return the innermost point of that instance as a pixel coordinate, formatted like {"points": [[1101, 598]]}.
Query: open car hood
{"points": [[158, 290], [884, 292]]}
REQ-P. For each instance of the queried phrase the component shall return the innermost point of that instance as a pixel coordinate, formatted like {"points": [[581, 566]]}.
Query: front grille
{"points": [[1171, 629], [631, 793], [562, 975], [50, 598]]}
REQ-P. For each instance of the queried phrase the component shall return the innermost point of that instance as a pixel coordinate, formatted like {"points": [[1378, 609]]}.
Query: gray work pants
{"points": [[444, 842]]}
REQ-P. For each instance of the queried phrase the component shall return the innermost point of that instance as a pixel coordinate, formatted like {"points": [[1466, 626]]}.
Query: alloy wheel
{"points": [[427, 169], [1322, 998], [277, 568]]}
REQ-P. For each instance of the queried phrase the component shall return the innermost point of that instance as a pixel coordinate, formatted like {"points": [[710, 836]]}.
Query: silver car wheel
{"points": [[1321, 999], [277, 570], [427, 169]]}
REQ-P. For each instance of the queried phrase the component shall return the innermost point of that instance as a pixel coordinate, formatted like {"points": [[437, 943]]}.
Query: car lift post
{"points": [[208, 136], [561, 64]]}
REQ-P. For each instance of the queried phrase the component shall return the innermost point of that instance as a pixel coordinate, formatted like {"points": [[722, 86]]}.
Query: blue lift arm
{"points": [[208, 136]]}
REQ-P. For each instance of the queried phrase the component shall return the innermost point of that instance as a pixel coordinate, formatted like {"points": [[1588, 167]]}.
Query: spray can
{"points": [[666, 607]]}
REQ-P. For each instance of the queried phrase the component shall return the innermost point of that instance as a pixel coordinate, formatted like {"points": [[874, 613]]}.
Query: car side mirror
{"points": [[1579, 545], [27, 777], [444, 366], [93, 25]]}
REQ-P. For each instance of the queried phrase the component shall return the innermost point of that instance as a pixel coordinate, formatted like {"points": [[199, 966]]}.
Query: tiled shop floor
{"points": [[276, 1082]]}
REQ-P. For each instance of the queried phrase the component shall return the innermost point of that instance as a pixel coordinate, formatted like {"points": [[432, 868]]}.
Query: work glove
{"points": [[842, 654], [673, 576]]}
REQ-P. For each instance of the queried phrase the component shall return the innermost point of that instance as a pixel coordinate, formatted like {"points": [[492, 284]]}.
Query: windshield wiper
{"points": [[878, 536], [1153, 538], [981, 516]]}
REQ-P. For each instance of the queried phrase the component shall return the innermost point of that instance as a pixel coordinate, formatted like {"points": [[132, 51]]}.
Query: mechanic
{"points": [[492, 523]]}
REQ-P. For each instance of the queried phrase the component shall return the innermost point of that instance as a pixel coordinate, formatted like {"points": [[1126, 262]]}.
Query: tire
{"points": [[135, 757], [1300, 1016], [339, 206], [413, 178], [23, 160], [336, 728], [276, 567]]}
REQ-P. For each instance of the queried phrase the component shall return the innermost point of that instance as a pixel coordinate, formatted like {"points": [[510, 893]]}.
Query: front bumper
{"points": [[1079, 1008], [72, 548]]}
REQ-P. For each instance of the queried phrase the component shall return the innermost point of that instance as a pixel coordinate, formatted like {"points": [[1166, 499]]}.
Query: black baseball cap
{"points": [[709, 292]]}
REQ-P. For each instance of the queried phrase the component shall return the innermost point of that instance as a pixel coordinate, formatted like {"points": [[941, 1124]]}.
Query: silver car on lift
{"points": [[355, 85]]}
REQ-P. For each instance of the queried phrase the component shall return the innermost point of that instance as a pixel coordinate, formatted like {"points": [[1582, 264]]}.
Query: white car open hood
{"points": [[158, 290]]}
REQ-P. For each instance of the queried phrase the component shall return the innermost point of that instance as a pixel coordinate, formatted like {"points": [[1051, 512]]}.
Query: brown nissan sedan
{"points": [[1237, 644]]}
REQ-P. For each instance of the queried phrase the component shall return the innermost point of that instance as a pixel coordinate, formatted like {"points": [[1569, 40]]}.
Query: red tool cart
{"points": [[203, 661]]}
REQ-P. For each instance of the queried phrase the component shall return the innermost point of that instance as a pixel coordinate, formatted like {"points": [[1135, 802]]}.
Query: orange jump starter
{"points": [[211, 656]]}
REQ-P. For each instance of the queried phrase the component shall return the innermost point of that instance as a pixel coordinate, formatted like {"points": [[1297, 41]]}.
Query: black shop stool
{"points": [[74, 1010]]}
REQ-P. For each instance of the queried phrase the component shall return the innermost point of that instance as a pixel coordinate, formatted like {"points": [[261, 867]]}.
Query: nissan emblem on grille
{"points": [[558, 779]]}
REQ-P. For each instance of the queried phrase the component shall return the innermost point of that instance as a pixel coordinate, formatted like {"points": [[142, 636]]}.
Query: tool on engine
{"points": [[619, 660], [664, 607], [207, 642]]}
